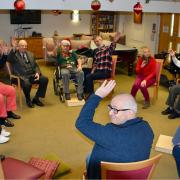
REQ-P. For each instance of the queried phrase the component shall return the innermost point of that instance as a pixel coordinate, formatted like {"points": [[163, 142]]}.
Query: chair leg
{"points": [[19, 94], [155, 93]]}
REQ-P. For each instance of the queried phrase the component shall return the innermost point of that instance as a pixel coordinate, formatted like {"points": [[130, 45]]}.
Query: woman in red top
{"points": [[145, 75]]}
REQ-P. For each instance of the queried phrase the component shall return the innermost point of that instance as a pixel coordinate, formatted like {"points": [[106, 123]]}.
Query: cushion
{"points": [[122, 39], [62, 169], [85, 37], [76, 44], [105, 36], [17, 169], [49, 167], [60, 38]]}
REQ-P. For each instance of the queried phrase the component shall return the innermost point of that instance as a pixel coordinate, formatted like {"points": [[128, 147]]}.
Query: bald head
{"points": [[126, 107], [22, 45], [125, 101]]}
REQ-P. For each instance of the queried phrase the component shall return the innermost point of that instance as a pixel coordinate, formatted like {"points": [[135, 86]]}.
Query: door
{"points": [[169, 36]]}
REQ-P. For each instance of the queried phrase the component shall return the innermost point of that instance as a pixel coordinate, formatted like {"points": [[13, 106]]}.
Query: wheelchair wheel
{"points": [[61, 94], [55, 86]]}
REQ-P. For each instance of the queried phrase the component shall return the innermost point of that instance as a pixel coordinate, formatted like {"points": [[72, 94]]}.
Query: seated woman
{"points": [[7, 99], [70, 66], [145, 75]]}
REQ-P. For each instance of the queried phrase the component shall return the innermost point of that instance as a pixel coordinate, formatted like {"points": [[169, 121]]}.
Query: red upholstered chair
{"points": [[11, 168], [134, 170]]}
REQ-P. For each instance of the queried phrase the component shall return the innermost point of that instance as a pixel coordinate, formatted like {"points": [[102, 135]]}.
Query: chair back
{"points": [[159, 64], [114, 62], [9, 68], [134, 170]]}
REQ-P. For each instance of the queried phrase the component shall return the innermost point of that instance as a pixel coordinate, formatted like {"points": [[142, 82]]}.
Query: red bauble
{"points": [[138, 8], [95, 5], [19, 5]]}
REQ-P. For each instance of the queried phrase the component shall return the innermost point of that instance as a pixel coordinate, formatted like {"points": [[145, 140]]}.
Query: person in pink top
{"points": [[7, 101], [145, 75]]}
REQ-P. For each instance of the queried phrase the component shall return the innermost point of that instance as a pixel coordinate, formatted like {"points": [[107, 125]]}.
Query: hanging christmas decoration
{"points": [[95, 5], [19, 5], [138, 8], [138, 13]]}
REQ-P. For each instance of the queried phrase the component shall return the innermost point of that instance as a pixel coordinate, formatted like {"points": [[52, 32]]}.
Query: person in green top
{"points": [[70, 66]]}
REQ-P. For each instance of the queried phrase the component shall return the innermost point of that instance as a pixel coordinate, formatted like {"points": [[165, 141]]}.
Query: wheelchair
{"points": [[58, 84]]}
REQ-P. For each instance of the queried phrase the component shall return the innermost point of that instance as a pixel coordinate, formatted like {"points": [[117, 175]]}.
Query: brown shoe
{"points": [[8, 123], [146, 105]]}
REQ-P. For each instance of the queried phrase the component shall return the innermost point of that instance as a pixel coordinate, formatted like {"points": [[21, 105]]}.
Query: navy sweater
{"points": [[128, 142]]}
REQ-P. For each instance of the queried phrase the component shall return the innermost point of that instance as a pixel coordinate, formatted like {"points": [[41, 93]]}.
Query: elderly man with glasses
{"points": [[126, 138]]}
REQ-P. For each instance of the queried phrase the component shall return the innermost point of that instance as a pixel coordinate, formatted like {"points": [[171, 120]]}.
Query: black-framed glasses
{"points": [[116, 110]]}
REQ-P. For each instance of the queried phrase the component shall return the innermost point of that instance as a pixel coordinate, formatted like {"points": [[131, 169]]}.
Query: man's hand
{"points": [[36, 77], [172, 53], [143, 83], [105, 88], [117, 37]]}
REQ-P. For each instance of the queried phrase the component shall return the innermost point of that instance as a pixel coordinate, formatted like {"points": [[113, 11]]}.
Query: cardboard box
{"points": [[164, 144]]}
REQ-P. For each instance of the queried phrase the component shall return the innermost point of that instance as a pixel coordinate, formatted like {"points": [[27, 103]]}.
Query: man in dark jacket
{"points": [[125, 139], [25, 66]]}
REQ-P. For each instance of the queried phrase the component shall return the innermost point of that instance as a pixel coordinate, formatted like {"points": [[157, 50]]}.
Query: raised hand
{"points": [[117, 37], [14, 42], [171, 52], [105, 88]]}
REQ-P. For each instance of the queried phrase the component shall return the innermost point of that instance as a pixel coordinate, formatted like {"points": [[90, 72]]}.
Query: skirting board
{"points": [[164, 144], [75, 102]]}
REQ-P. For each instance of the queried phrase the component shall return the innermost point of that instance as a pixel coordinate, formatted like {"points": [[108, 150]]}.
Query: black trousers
{"points": [[97, 75], [27, 85]]}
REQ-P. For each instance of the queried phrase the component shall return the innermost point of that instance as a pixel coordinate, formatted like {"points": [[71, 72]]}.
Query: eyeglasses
{"points": [[116, 110]]}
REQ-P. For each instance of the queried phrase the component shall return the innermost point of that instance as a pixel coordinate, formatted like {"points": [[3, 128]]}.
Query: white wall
{"points": [[138, 35], [49, 23]]}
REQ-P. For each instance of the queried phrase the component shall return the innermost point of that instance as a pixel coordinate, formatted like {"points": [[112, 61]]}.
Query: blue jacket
{"points": [[128, 142]]}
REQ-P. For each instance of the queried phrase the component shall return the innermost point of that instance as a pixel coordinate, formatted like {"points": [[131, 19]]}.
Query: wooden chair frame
{"points": [[114, 62], [17, 86], [159, 63], [130, 166]]}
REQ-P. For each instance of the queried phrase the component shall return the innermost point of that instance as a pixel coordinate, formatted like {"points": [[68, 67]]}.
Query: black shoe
{"points": [[37, 102], [173, 115], [30, 104], [167, 111], [13, 115], [67, 96], [80, 97], [8, 123]]}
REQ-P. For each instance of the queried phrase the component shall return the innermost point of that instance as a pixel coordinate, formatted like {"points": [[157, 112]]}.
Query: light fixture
{"points": [[75, 16]]}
